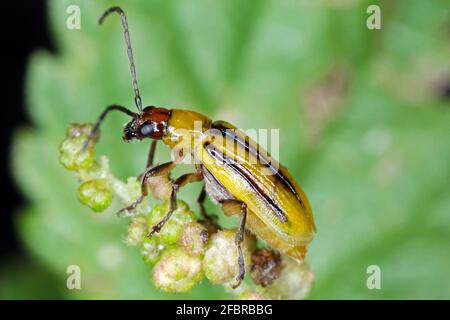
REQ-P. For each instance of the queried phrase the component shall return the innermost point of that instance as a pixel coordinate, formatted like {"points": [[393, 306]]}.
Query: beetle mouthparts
{"points": [[128, 131]]}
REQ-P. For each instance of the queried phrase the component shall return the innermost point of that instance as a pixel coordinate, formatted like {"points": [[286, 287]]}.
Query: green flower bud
{"points": [[171, 231], [73, 158], [95, 194], [177, 271], [137, 231], [193, 238], [220, 262], [71, 155], [151, 250]]}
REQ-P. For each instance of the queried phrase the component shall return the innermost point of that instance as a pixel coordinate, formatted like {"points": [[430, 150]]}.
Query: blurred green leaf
{"points": [[376, 171], [22, 279]]}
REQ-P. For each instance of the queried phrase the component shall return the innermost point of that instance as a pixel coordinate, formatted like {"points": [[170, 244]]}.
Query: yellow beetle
{"points": [[237, 172]]}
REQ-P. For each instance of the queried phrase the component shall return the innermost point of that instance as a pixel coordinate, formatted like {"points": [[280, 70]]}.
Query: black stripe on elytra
{"points": [[229, 132], [279, 213]]}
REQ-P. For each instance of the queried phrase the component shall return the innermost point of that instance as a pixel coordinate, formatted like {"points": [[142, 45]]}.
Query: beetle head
{"points": [[151, 123]]}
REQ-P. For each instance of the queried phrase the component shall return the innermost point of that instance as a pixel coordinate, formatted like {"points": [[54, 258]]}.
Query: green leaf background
{"points": [[376, 170]]}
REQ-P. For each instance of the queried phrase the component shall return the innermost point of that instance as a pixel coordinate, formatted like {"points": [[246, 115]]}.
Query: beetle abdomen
{"points": [[252, 176]]}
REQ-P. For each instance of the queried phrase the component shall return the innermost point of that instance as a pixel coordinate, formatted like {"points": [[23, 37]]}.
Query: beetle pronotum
{"points": [[272, 206]]}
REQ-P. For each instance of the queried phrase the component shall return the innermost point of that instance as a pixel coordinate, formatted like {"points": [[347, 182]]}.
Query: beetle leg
{"points": [[164, 168], [151, 154], [230, 207], [239, 238], [150, 157], [208, 219], [179, 182], [102, 117]]}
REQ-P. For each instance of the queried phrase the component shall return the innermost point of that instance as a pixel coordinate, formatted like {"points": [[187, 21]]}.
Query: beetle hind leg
{"points": [[231, 207]]}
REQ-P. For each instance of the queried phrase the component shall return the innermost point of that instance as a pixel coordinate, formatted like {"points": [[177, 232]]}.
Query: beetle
{"points": [[233, 167]]}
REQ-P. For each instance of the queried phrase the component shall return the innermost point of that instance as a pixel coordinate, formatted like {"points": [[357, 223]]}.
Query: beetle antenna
{"points": [[126, 33], [102, 117]]}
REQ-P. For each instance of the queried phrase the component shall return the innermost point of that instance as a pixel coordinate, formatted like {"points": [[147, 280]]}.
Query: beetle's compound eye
{"points": [[146, 129]]}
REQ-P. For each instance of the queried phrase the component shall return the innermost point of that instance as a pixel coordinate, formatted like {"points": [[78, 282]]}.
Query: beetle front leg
{"points": [[150, 158], [162, 169], [151, 155], [180, 182], [231, 207]]}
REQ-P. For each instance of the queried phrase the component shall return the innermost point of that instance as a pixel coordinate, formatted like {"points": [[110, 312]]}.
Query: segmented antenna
{"points": [[126, 33]]}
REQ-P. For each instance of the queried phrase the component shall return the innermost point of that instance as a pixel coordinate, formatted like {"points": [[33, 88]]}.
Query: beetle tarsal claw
{"points": [[123, 212], [241, 273], [127, 210], [155, 229], [237, 282], [120, 213]]}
